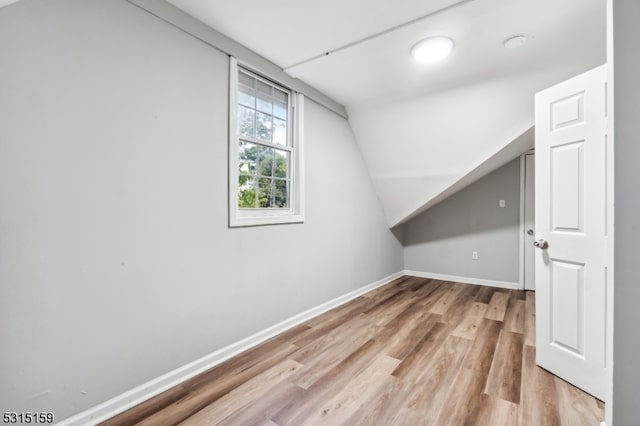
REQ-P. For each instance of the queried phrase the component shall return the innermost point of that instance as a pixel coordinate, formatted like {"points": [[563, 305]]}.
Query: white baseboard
{"points": [[148, 390], [465, 280]]}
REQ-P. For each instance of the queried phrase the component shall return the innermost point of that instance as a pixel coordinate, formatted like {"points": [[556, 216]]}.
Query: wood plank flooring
{"points": [[413, 352]]}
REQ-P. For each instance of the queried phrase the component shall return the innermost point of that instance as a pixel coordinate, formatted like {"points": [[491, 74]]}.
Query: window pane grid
{"points": [[262, 110], [263, 176], [263, 192]]}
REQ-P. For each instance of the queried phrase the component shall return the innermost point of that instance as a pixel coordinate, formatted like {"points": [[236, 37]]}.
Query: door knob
{"points": [[529, 231], [541, 244]]}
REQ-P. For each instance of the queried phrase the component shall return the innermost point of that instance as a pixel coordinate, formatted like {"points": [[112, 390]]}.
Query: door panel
{"points": [[568, 111], [567, 184], [567, 298], [570, 217]]}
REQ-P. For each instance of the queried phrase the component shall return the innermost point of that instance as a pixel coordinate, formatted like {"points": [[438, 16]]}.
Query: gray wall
{"points": [[116, 262], [442, 239], [626, 347]]}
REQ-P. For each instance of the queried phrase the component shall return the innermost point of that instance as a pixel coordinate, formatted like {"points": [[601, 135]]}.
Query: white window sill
{"points": [[261, 220]]}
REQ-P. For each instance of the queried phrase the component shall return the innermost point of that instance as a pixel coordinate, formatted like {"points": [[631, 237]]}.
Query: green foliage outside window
{"points": [[263, 177]]}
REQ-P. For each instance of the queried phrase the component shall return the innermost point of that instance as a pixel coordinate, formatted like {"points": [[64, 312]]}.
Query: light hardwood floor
{"points": [[413, 352]]}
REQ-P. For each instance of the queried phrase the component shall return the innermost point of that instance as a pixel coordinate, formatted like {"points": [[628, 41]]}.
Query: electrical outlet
{"points": [[503, 203], [474, 255]]}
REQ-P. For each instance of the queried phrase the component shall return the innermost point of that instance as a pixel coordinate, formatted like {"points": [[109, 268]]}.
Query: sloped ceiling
{"points": [[424, 130], [421, 147], [7, 2]]}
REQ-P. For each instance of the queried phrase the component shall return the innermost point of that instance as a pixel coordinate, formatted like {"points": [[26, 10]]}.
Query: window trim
{"points": [[254, 217]]}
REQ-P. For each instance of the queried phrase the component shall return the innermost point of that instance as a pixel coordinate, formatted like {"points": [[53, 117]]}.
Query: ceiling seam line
{"points": [[231, 47], [379, 34]]}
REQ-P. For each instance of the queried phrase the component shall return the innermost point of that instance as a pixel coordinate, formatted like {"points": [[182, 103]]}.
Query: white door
{"points": [[529, 222], [571, 230]]}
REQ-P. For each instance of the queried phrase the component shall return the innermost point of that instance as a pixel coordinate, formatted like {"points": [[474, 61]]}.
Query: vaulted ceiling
{"points": [[425, 130], [297, 35]]}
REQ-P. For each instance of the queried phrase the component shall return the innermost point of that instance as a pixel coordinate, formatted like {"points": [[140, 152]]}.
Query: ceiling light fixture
{"points": [[515, 42], [432, 49]]}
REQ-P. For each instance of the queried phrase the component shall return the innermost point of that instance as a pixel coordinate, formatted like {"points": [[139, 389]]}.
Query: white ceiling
{"points": [[290, 31], [558, 31], [392, 101]]}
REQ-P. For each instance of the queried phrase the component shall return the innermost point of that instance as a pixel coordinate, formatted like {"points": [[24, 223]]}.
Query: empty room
{"points": [[319, 213]]}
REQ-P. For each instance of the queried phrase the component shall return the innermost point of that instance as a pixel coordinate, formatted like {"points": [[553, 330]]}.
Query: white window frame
{"points": [[239, 217]]}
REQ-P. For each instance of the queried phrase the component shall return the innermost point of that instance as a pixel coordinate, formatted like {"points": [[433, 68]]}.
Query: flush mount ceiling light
{"points": [[432, 49], [515, 42]]}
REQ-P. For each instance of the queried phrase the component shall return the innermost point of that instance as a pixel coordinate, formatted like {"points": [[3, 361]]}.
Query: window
{"points": [[265, 151]]}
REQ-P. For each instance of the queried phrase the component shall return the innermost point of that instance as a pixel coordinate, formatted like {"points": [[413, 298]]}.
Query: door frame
{"points": [[610, 227], [522, 207]]}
